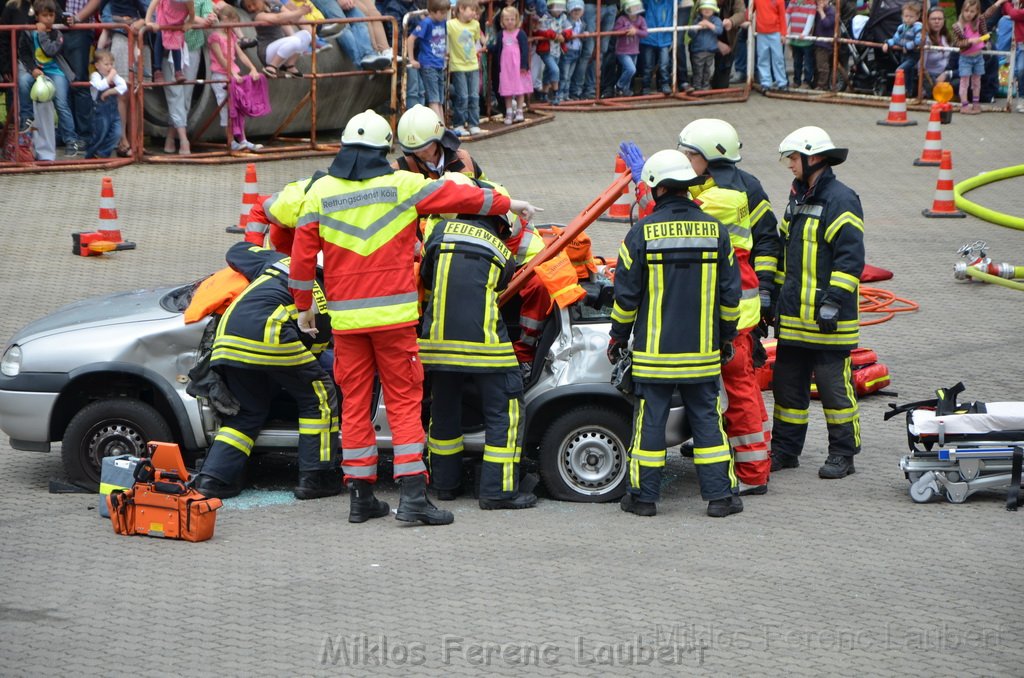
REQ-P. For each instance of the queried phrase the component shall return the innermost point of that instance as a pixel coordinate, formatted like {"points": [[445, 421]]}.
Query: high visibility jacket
{"points": [[728, 204], [677, 290], [282, 212], [257, 225], [526, 245], [259, 329], [765, 229], [822, 259], [367, 231], [465, 267]]}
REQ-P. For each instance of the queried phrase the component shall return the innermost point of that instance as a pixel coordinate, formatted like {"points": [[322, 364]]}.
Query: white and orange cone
{"points": [[944, 205], [623, 205], [898, 105], [107, 223], [250, 195], [931, 155]]}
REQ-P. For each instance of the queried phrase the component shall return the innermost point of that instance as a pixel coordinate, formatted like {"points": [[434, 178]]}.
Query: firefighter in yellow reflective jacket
{"points": [[818, 309], [466, 265], [677, 292], [258, 350]]}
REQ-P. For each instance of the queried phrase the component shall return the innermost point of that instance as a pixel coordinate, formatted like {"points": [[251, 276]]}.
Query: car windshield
{"points": [[178, 299]]}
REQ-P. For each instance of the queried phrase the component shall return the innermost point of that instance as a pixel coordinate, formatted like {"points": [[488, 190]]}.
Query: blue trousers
{"points": [[656, 60], [627, 64], [106, 128], [466, 96]]}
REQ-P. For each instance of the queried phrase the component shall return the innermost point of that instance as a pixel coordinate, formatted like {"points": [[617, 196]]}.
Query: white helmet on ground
{"points": [[668, 165], [713, 138], [367, 129], [418, 127], [812, 141]]}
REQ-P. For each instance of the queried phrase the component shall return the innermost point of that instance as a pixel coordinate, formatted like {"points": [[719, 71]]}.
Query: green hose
{"points": [[987, 277], [984, 212]]}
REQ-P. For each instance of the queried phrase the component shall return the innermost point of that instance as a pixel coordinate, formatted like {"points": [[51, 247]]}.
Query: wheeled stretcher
{"points": [[957, 450]]}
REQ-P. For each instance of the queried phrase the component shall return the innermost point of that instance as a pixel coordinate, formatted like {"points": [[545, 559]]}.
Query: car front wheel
{"points": [[583, 455], [108, 428]]}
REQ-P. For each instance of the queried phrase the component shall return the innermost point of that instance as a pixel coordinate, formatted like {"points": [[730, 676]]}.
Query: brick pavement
{"points": [[843, 578]]}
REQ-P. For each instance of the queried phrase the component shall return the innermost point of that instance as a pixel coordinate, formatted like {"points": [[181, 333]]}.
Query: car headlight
{"points": [[10, 366]]}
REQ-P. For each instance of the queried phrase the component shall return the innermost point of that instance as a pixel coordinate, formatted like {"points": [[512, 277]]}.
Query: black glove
{"points": [[759, 354], [616, 349], [828, 317], [727, 352], [767, 307]]}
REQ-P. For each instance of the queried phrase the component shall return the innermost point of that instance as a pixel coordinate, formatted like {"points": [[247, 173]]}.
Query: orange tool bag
{"points": [[869, 375], [160, 503]]}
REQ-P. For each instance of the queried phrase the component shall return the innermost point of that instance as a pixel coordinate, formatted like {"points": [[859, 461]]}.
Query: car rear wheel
{"points": [[583, 455], [108, 428]]}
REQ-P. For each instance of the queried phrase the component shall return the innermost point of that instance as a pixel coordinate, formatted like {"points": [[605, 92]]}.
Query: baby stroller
{"points": [[870, 70]]}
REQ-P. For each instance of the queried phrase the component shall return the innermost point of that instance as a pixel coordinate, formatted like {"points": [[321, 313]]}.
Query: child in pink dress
{"points": [[514, 79]]}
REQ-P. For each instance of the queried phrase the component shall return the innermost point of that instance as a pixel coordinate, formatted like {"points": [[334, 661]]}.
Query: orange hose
{"points": [[877, 300]]}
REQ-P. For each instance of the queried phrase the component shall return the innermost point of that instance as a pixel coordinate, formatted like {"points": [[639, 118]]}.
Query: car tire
{"points": [[583, 455], [108, 428]]}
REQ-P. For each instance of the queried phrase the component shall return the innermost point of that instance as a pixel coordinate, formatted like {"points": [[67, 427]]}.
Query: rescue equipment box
{"points": [[116, 473]]}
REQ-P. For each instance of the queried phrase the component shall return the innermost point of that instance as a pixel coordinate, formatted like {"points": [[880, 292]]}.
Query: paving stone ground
{"points": [[846, 578]]}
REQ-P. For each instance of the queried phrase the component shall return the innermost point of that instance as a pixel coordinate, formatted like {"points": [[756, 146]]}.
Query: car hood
{"points": [[112, 309]]}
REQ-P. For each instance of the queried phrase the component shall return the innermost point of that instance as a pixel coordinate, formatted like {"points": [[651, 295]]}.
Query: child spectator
{"points": [[704, 44], [19, 13], [224, 50], [936, 61], [800, 15], [106, 85], [824, 27], [1015, 11], [514, 74], [414, 93], [907, 41], [627, 47], [553, 27], [771, 30], [570, 71], [179, 97], [970, 33], [432, 53], [656, 48], [494, 32], [39, 51], [464, 66], [170, 13], [279, 43]]}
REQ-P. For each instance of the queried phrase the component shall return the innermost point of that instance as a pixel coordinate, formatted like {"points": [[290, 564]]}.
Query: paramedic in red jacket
{"points": [[363, 216]]}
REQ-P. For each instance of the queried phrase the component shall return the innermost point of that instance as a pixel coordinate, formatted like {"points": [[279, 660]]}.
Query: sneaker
{"points": [[668, 90], [781, 461], [374, 62], [73, 148], [27, 123], [837, 466], [179, 76], [475, 130], [387, 53], [322, 44], [253, 147], [722, 508], [460, 131], [737, 78], [629, 504], [328, 30], [752, 489], [508, 117], [238, 146], [519, 116]]}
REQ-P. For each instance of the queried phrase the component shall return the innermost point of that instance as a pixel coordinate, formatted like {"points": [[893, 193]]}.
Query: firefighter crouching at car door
{"points": [[818, 309], [465, 267], [677, 292], [712, 146], [363, 215], [258, 350]]}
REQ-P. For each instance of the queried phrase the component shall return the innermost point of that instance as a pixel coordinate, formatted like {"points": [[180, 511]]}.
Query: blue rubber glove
{"points": [[634, 158]]}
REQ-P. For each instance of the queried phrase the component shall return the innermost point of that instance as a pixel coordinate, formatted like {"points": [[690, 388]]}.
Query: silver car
{"points": [[105, 375]]}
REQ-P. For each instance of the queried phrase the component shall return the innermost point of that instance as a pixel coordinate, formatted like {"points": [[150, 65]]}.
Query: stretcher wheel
{"points": [[914, 476], [921, 494]]}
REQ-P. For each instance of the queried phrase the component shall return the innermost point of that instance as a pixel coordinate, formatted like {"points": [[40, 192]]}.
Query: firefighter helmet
{"points": [[668, 165], [812, 141], [367, 129], [713, 138], [418, 127], [43, 90]]}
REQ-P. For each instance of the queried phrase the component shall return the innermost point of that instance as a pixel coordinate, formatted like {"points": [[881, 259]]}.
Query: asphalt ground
{"points": [[846, 578]]}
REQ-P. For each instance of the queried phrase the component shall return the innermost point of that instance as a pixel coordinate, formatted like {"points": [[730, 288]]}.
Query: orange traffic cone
{"points": [[944, 205], [931, 156], [107, 223], [623, 205], [898, 105], [249, 197], [107, 236]]}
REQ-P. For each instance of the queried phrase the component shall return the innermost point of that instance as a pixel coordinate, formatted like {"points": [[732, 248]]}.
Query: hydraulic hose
{"points": [[983, 212]]}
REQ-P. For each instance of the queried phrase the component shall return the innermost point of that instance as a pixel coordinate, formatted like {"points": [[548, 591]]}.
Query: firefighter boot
{"points": [[414, 505], [721, 508], [363, 505], [317, 484], [837, 466], [631, 504]]}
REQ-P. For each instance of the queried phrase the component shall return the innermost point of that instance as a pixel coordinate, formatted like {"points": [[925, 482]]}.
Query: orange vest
{"points": [[215, 294]]}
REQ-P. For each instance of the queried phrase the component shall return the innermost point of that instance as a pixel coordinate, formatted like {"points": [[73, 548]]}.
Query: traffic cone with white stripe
{"points": [[107, 236], [250, 195], [620, 210], [898, 105], [944, 205], [931, 156]]}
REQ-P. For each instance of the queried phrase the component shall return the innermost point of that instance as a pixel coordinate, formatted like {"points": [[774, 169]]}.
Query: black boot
{"points": [[208, 486], [721, 508], [630, 504], [837, 466], [521, 500], [317, 484], [363, 505], [414, 505]]}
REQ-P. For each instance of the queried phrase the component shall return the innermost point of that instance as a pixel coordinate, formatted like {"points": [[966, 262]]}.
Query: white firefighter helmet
{"points": [[368, 129], [418, 127], [812, 141], [713, 138], [43, 89], [668, 165]]}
